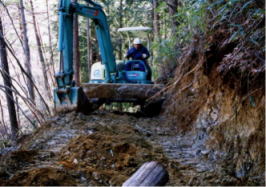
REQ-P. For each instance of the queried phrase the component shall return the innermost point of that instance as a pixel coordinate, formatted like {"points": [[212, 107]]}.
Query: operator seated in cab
{"points": [[139, 52]]}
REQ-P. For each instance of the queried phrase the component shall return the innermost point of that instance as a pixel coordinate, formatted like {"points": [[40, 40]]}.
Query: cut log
{"points": [[121, 92], [149, 174]]}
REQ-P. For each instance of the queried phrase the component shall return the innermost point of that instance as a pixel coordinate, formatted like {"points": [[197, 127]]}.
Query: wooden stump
{"points": [[149, 174]]}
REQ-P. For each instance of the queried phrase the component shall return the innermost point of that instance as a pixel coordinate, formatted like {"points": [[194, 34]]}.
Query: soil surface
{"points": [[74, 149], [105, 149]]}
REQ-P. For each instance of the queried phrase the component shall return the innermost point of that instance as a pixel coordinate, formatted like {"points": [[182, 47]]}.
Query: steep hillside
{"points": [[217, 96]]}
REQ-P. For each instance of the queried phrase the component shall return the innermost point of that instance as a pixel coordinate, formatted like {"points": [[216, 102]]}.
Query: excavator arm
{"points": [[65, 43], [66, 95]]}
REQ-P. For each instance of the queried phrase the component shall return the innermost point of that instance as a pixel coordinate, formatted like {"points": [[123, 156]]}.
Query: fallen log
{"points": [[149, 174], [121, 92]]}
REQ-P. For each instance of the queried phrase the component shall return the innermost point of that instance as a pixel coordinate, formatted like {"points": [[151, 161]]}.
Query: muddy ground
{"points": [[74, 149], [105, 149]]}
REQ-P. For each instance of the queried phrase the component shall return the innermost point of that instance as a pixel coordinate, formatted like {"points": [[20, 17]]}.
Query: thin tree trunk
{"points": [[172, 7], [76, 53], [165, 27], [50, 71], [12, 22], [25, 100], [120, 26], [50, 38], [89, 48], [40, 52], [8, 85], [156, 21], [17, 110], [3, 118], [26, 49], [24, 72]]}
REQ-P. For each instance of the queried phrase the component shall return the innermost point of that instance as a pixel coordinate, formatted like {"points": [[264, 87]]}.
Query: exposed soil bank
{"points": [[217, 101]]}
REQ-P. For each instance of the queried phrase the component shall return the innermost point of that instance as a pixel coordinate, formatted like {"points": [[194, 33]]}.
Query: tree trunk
{"points": [[50, 38], [120, 26], [26, 49], [12, 22], [3, 118], [41, 56], [17, 110], [120, 92], [89, 48], [156, 21], [76, 54], [8, 85], [172, 7]]}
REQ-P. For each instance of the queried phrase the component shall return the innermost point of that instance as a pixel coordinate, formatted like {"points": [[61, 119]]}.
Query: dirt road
{"points": [[105, 149]]}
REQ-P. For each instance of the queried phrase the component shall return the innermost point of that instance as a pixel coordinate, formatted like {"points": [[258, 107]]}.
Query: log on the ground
{"points": [[149, 174], [121, 92]]}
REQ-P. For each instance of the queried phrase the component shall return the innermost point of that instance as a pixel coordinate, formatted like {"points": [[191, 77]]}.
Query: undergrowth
{"points": [[242, 22]]}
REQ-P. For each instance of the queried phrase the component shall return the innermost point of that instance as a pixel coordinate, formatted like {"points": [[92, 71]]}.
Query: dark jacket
{"points": [[136, 54]]}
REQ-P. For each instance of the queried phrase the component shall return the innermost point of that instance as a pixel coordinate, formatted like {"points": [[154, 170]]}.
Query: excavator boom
{"points": [[67, 96], [65, 43]]}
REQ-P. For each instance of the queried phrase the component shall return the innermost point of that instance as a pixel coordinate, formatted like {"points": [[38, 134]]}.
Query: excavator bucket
{"points": [[71, 99]]}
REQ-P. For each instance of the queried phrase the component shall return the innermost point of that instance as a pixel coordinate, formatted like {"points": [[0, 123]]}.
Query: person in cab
{"points": [[140, 52]]}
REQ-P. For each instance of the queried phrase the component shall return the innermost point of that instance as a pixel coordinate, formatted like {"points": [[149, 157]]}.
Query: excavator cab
{"points": [[128, 71], [131, 71], [135, 71]]}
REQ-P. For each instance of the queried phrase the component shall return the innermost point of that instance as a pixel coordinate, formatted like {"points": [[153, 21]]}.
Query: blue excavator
{"points": [[119, 84]]}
